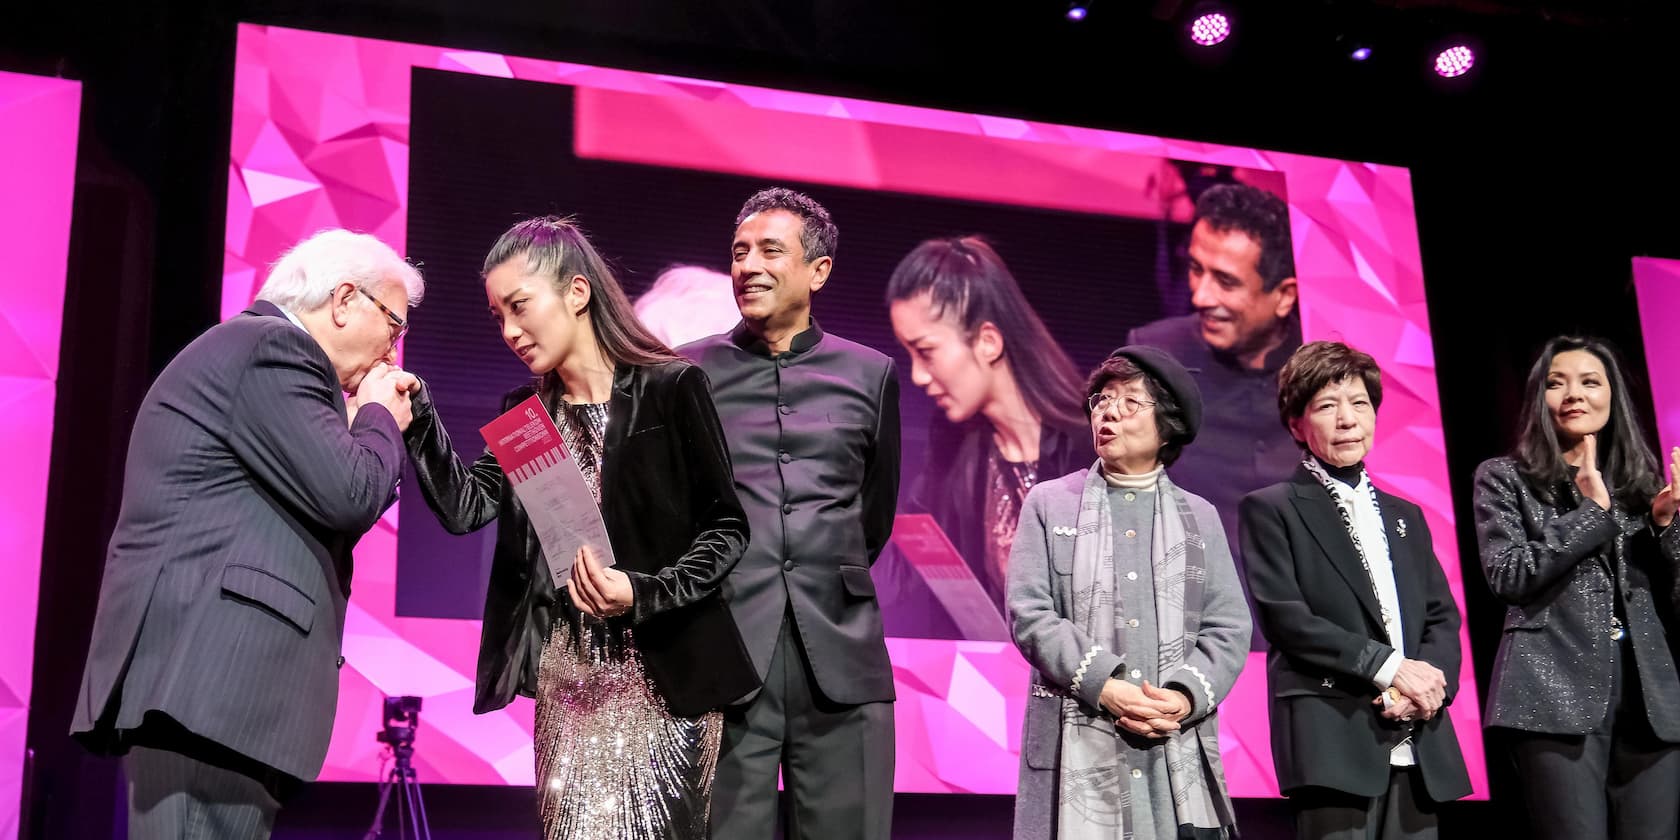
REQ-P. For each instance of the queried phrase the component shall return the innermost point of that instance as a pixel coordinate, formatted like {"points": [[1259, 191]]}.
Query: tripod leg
{"points": [[423, 827], [402, 812], [378, 826]]}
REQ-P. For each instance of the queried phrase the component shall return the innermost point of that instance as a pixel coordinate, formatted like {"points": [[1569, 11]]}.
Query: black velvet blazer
{"points": [[668, 500]]}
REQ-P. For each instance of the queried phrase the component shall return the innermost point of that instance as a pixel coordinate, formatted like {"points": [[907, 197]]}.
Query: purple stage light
{"points": [[1455, 61], [1360, 54], [1077, 12], [1210, 29]]}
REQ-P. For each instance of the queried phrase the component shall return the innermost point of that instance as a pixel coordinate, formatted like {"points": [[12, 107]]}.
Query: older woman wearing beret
{"points": [[1125, 601]]}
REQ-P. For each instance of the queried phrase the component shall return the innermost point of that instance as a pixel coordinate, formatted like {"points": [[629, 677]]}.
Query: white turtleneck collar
{"points": [[1141, 481]]}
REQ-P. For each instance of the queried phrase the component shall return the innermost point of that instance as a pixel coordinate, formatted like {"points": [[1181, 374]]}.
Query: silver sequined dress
{"points": [[612, 763]]}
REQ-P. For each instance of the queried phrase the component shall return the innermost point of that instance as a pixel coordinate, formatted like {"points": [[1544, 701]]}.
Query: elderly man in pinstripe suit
{"points": [[214, 663]]}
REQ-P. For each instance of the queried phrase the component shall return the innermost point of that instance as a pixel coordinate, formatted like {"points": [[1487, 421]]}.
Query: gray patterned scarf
{"points": [[1095, 784]]}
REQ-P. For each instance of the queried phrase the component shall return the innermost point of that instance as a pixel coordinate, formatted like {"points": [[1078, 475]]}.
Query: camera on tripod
{"points": [[402, 717]]}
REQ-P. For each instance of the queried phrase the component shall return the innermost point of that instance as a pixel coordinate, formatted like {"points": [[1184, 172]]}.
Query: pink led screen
{"points": [[1657, 284], [38, 122], [332, 130]]}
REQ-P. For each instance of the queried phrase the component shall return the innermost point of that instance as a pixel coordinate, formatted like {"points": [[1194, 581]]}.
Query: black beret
{"points": [[1172, 376]]}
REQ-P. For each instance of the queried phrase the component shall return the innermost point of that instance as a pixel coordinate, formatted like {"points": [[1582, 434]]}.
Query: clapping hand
{"points": [[1667, 501], [1588, 478], [598, 591]]}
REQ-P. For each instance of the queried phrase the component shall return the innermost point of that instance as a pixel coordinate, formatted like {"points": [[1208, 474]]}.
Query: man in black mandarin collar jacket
{"points": [[812, 424]]}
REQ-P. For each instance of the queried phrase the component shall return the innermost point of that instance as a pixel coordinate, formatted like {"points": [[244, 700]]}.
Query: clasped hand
{"points": [[1150, 711], [599, 591], [389, 386], [1422, 688]]}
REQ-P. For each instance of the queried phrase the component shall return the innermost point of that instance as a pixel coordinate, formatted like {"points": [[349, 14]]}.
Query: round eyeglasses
{"points": [[1128, 405]]}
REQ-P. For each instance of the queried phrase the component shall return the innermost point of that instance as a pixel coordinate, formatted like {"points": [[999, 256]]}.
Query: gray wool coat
{"points": [[1040, 599]]}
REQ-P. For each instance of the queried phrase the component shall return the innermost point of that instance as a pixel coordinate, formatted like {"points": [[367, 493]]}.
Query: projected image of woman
{"points": [[628, 664], [1009, 398], [1575, 530]]}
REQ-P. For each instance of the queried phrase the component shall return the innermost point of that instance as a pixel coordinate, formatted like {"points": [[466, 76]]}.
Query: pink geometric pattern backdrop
{"points": [[1657, 283], [38, 120], [321, 137]]}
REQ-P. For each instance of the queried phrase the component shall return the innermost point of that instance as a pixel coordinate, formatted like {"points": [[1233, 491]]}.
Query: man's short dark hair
{"points": [[1318, 365], [1259, 214], [817, 233]]}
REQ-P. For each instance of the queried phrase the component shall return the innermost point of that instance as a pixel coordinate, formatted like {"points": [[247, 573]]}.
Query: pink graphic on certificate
{"points": [[547, 480]]}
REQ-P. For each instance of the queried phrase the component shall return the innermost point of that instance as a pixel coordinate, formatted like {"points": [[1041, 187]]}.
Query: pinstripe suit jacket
{"points": [[224, 594]]}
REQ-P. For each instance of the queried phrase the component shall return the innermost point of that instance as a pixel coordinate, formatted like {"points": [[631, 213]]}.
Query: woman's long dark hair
{"points": [[967, 281], [1629, 466], [555, 247]]}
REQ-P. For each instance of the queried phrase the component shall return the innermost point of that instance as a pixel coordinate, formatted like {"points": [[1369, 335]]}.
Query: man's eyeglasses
{"points": [[1129, 406], [399, 327]]}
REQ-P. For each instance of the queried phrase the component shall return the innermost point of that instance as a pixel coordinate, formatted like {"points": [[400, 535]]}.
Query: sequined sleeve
{"points": [[1668, 542], [1518, 561]]}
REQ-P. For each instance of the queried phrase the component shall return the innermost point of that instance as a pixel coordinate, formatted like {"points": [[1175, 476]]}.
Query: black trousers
{"points": [[836, 760], [1403, 812], [184, 787], [1619, 781]]}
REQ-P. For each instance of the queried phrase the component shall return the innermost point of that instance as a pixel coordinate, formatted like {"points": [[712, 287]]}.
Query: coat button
{"points": [[787, 566], [1130, 496], [1132, 623], [1137, 674], [1131, 576], [785, 458], [341, 662], [784, 408], [1136, 773], [787, 508], [1130, 533]]}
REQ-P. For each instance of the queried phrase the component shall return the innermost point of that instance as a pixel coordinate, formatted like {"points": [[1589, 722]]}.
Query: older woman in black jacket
{"points": [[1365, 645], [1574, 535], [628, 665]]}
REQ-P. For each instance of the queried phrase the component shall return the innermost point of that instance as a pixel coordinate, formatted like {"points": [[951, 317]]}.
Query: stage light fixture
{"points": [[1077, 11], [1454, 61], [1210, 28], [1360, 53]]}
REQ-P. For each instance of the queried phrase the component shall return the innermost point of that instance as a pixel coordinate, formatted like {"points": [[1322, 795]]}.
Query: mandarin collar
{"points": [[745, 339]]}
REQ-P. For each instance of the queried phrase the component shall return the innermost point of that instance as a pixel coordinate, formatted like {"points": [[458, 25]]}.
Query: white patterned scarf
{"points": [[1095, 786]]}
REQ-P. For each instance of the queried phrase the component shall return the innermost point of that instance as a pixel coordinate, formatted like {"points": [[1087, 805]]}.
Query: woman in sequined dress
{"points": [[628, 664], [1008, 396], [1574, 535]]}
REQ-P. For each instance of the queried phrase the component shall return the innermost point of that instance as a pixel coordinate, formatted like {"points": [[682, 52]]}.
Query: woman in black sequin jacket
{"points": [[1573, 531]]}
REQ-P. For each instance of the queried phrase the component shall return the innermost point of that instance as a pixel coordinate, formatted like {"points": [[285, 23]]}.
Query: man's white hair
{"points": [[688, 302], [304, 277]]}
